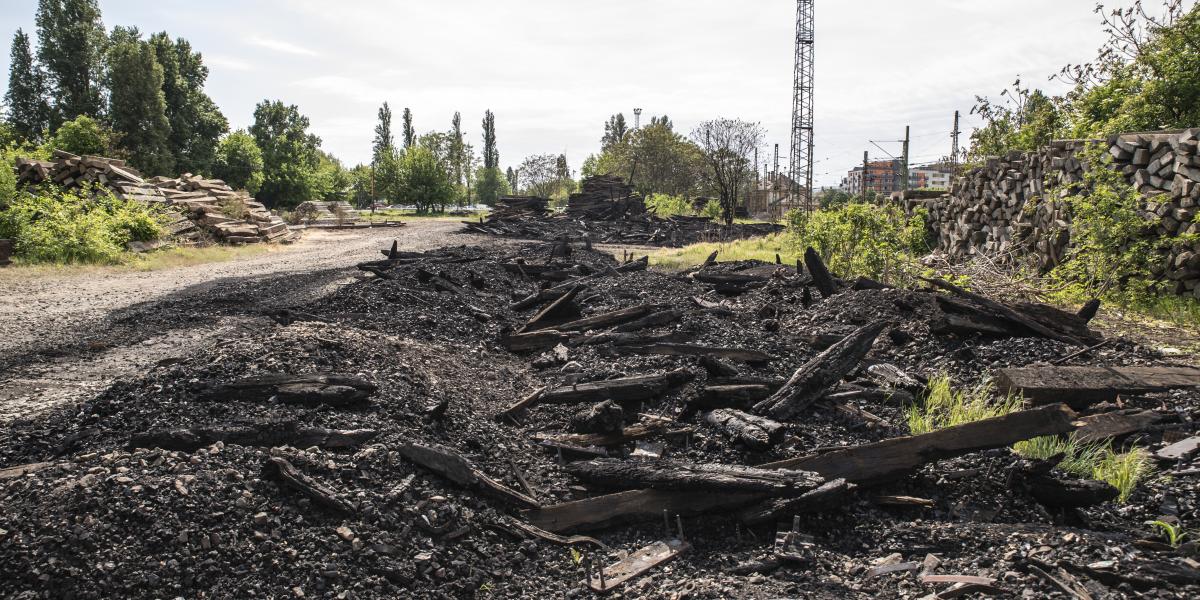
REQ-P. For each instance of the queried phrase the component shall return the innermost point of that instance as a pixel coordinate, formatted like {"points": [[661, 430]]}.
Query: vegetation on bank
{"points": [[82, 226]]}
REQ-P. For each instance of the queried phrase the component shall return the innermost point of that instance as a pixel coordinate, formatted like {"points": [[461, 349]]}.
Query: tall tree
{"points": [[196, 123], [71, 46], [457, 168], [138, 109], [290, 159], [26, 95], [561, 170], [410, 134], [540, 174], [491, 156], [425, 183], [726, 145], [384, 141], [614, 131]]}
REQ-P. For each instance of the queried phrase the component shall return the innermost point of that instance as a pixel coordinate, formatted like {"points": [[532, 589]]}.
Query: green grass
{"points": [[388, 214], [1122, 470], [944, 406], [761, 248]]}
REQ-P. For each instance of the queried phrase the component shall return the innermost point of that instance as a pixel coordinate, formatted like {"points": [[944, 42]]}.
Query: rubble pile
{"points": [[524, 421], [1012, 207], [519, 207], [328, 214], [198, 209], [607, 211]]}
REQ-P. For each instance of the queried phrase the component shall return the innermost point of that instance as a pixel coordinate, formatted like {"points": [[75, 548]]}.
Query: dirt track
{"points": [[64, 336]]}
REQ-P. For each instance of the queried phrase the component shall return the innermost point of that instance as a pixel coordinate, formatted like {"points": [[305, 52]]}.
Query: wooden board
{"points": [[1180, 450], [1083, 386], [637, 563], [1106, 426], [633, 505]]}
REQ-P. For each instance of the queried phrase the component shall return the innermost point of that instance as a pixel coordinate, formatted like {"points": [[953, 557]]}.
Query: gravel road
{"points": [[62, 337]]}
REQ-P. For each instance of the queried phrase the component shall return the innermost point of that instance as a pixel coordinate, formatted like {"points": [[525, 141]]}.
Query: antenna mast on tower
{"points": [[801, 166]]}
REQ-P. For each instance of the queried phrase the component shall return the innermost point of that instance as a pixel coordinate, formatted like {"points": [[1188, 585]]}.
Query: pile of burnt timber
{"points": [[605, 198], [445, 425], [607, 211]]}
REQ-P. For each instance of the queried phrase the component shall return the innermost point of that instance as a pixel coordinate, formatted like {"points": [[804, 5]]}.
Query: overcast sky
{"points": [[554, 70]]}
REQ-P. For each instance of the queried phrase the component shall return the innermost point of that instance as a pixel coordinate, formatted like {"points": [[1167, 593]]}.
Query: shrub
{"points": [[84, 226], [712, 209], [869, 240], [665, 205]]}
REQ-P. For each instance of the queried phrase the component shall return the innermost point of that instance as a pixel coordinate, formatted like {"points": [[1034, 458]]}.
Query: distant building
{"points": [[883, 177], [936, 176]]}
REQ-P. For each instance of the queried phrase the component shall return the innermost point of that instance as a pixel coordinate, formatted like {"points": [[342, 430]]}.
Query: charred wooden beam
{"points": [[991, 308], [715, 367], [560, 310], [656, 319], [1070, 493], [611, 318], [707, 477], [753, 431], [631, 433], [732, 396], [1111, 425], [729, 278], [1081, 386], [641, 387], [602, 417], [534, 340], [456, 468], [830, 495], [637, 265], [281, 470], [318, 388], [820, 275], [888, 459], [814, 378]]}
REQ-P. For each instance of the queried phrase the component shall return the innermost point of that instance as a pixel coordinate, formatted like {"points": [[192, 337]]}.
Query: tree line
{"points": [[1143, 77]]}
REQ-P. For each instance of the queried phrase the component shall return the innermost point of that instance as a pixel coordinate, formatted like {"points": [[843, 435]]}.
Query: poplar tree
{"points": [[25, 98], [196, 123], [138, 109], [410, 135], [384, 141], [71, 48]]}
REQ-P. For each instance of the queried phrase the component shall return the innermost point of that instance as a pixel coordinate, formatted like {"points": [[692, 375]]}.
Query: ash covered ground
{"points": [[89, 513]]}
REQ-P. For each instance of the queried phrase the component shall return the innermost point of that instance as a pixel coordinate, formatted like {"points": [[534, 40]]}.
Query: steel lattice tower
{"points": [[800, 158]]}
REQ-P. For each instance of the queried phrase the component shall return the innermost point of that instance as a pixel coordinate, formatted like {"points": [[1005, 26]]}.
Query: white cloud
{"points": [[217, 61], [282, 46]]}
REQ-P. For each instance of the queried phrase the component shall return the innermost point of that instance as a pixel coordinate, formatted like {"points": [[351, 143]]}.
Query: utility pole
{"points": [[954, 149], [864, 176], [904, 165], [775, 175]]}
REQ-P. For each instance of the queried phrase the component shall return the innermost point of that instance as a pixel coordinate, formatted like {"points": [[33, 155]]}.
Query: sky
{"points": [[553, 71]]}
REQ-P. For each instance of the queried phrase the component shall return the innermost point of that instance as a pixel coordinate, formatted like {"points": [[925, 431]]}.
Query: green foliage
{"points": [[666, 162], [491, 155], [239, 162], [665, 205], [1109, 255], [712, 209], [333, 180], [84, 226], [137, 107], [1026, 120], [1122, 470], [83, 135], [289, 151], [425, 182], [196, 123], [944, 406], [384, 141], [614, 131], [71, 45], [1171, 532], [410, 134], [25, 99], [866, 240], [490, 184]]}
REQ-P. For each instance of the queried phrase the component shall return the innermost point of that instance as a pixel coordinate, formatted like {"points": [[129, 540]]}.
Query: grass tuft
{"points": [[946, 407], [1122, 470]]}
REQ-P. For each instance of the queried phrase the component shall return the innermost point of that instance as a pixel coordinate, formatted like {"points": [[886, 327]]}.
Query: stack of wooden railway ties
{"points": [[198, 209]]}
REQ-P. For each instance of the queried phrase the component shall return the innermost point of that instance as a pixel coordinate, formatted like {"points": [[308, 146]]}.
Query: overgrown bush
{"points": [[712, 209], [868, 240], [665, 205], [77, 226]]}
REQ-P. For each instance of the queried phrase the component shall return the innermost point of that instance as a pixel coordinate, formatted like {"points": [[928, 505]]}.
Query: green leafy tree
{"points": [[28, 114], [425, 182], [290, 158], [1025, 120], [457, 151], [410, 134], [389, 178], [667, 163], [384, 141], [726, 145], [71, 48], [490, 184], [83, 135], [137, 105], [239, 162], [614, 131], [333, 180], [540, 175], [196, 123], [362, 180]]}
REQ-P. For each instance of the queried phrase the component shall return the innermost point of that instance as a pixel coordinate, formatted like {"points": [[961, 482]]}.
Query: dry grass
{"points": [[158, 260], [761, 248]]}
